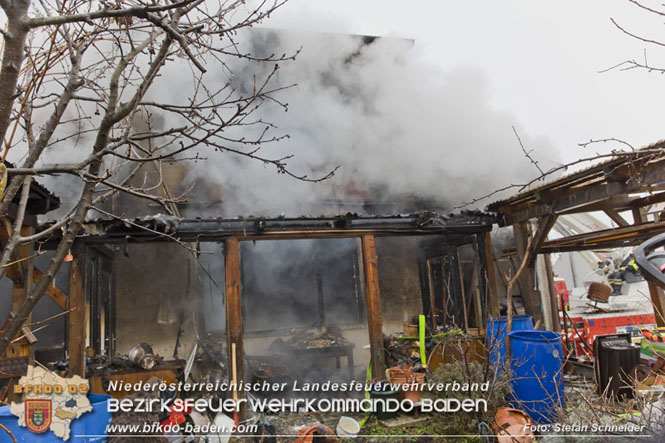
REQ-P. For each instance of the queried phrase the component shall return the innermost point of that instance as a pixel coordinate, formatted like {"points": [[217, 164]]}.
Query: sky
{"points": [[542, 58]]}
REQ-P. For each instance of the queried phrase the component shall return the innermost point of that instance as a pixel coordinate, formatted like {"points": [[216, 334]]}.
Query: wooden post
{"points": [[460, 277], [656, 294], [77, 321], [234, 312], [487, 255], [554, 299], [526, 279], [432, 294], [373, 302]]}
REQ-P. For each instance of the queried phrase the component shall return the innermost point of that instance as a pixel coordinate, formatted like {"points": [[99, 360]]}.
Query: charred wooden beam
{"points": [[234, 334], [579, 200], [192, 230], [459, 275], [432, 295], [554, 299], [488, 279], [373, 302]]}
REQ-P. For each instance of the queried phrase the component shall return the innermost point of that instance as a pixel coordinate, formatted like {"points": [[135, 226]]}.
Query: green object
{"points": [[368, 379], [421, 330], [441, 335], [651, 350]]}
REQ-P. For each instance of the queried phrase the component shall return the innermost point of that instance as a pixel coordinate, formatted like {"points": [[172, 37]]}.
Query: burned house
{"points": [[177, 283]]}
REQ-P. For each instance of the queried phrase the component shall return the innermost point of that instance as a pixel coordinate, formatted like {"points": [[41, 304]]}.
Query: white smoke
{"points": [[405, 134], [402, 131]]}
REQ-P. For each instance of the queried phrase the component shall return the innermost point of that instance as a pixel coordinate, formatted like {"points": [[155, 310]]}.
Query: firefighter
{"points": [[628, 272]]}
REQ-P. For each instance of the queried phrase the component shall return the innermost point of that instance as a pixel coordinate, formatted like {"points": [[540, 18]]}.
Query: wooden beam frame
{"points": [[373, 302], [234, 333], [490, 273], [616, 217], [608, 238], [582, 198], [554, 298]]}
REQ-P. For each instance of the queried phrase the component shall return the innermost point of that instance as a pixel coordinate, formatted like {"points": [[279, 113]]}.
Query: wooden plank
{"points": [[616, 217], [77, 320], [373, 302], [581, 198], [607, 238], [554, 299], [432, 294], [234, 312], [56, 294], [527, 281], [492, 283], [639, 215]]}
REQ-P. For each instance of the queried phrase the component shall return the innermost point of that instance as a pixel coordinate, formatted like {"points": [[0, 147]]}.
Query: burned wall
{"points": [[398, 280], [154, 293]]}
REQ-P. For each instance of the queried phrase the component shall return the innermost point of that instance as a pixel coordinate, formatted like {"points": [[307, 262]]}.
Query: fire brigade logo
{"points": [[38, 415]]}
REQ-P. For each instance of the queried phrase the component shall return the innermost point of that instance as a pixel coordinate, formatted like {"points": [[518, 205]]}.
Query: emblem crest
{"points": [[38, 415]]}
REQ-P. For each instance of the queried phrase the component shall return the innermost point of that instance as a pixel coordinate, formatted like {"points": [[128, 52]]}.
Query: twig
{"points": [[527, 154]]}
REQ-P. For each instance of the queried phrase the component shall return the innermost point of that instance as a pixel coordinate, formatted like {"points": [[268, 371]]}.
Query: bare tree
{"points": [[79, 73]]}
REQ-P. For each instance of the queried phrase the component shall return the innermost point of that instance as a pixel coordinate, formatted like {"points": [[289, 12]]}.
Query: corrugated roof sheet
{"points": [[586, 175]]}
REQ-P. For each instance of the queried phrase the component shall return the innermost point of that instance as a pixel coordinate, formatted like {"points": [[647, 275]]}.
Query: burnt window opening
{"points": [[286, 284], [300, 283]]}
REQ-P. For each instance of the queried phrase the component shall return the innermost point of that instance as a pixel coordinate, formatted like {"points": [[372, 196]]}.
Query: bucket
{"points": [[537, 373], [380, 413], [599, 292], [347, 427], [496, 335], [398, 371], [90, 427]]}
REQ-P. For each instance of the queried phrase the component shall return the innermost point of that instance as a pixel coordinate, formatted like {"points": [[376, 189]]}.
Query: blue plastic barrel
{"points": [[90, 427], [536, 365], [496, 335]]}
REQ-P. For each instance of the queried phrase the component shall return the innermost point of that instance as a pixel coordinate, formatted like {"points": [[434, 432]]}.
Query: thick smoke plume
{"points": [[405, 135]]}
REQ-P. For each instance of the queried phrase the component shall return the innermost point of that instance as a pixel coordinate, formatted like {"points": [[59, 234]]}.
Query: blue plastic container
{"points": [[536, 365], [496, 335], [90, 427]]}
